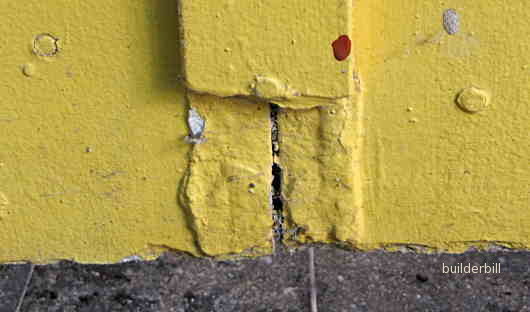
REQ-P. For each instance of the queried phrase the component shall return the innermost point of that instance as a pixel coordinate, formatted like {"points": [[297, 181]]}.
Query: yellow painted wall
{"points": [[94, 165], [92, 139], [435, 175]]}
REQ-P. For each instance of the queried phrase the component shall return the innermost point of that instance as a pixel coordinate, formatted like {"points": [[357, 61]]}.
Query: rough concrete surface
{"points": [[345, 280]]}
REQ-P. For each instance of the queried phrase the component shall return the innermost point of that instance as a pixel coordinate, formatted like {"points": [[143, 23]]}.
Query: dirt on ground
{"points": [[345, 281]]}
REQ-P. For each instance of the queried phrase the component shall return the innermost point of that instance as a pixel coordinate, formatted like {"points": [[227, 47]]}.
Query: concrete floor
{"points": [[345, 281]]}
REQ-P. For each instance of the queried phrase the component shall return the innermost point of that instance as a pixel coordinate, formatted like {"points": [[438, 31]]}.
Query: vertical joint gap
{"points": [[276, 185]]}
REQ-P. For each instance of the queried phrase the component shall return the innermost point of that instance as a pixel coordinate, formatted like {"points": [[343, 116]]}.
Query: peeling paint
{"points": [[223, 215], [320, 162], [196, 125]]}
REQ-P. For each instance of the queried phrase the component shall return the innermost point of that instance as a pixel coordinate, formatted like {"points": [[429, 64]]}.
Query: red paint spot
{"points": [[341, 47]]}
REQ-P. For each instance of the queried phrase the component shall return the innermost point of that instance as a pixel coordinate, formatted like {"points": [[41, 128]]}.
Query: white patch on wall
{"points": [[196, 124], [451, 21]]}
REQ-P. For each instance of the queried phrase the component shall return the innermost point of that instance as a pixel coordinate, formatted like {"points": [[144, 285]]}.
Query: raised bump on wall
{"points": [[45, 45], [341, 47]]}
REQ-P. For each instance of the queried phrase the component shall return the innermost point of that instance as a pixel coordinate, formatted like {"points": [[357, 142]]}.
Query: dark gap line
{"points": [[276, 185]]}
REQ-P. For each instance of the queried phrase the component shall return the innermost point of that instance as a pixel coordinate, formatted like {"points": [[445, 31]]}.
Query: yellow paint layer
{"points": [[226, 191], [447, 120], [92, 135], [319, 151], [278, 51], [423, 144]]}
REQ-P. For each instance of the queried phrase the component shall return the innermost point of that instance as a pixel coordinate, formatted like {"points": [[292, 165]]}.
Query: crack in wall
{"points": [[276, 184]]}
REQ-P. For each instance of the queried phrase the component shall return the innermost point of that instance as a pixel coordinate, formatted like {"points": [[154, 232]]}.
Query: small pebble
{"points": [[422, 278]]}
